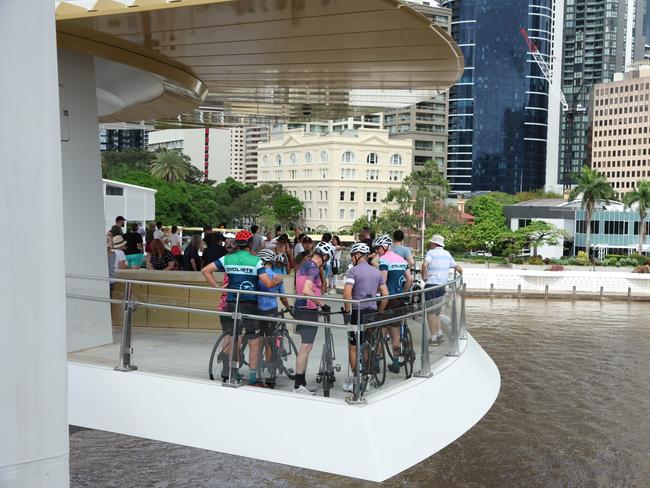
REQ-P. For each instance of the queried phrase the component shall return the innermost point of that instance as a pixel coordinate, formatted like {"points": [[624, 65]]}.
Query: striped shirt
{"points": [[438, 263]]}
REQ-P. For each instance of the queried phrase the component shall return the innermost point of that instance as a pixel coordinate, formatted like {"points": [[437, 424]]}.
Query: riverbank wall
{"points": [[590, 284]]}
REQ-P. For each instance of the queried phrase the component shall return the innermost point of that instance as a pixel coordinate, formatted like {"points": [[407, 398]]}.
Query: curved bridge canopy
{"points": [[264, 59]]}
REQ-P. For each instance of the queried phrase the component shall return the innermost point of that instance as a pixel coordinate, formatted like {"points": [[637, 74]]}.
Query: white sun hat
{"points": [[438, 240]]}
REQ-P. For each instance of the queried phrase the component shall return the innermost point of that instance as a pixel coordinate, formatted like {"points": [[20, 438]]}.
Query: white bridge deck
{"points": [[170, 398]]}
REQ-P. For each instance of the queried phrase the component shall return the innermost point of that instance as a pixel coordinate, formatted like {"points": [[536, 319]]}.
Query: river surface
{"points": [[573, 411]]}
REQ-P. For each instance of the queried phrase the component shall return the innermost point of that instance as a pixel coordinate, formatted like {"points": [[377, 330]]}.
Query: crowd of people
{"points": [[380, 268]]}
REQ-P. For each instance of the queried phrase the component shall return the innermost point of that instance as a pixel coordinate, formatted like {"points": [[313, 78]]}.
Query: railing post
{"points": [[455, 333], [125, 343], [357, 394], [425, 360], [233, 361], [463, 323]]}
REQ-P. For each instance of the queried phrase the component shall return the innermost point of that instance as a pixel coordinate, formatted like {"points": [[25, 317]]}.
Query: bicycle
{"points": [[408, 352], [223, 357], [278, 348], [327, 367], [373, 359]]}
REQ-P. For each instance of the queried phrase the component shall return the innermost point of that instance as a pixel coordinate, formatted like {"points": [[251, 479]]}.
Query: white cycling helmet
{"points": [[360, 248], [382, 241], [325, 249], [266, 255], [282, 259]]}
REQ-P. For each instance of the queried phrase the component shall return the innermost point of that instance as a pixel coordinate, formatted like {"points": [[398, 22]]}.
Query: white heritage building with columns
{"points": [[338, 176]]}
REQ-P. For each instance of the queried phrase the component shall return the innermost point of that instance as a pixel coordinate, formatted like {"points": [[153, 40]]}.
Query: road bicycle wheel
{"points": [[216, 356], [287, 350], [408, 353], [378, 362]]}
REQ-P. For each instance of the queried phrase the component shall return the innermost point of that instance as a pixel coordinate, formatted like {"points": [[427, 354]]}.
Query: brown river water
{"points": [[573, 411]]}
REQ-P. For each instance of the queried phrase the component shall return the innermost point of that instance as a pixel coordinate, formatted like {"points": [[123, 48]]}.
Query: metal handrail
{"points": [[458, 331]]}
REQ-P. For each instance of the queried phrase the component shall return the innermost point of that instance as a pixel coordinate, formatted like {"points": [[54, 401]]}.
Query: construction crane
{"points": [[568, 112]]}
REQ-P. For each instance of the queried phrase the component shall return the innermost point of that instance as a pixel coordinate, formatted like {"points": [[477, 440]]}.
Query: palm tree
{"points": [[170, 165], [594, 188], [641, 196]]}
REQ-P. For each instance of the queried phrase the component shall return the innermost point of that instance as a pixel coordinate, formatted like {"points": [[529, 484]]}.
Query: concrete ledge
{"points": [[311, 432], [557, 295]]}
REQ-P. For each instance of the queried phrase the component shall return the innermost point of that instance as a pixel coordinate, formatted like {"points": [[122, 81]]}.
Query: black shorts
{"points": [[366, 316], [307, 332], [268, 327], [432, 295], [397, 307], [252, 327]]}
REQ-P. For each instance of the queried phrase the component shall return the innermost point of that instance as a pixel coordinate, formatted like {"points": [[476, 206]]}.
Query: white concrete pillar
{"points": [[33, 369], [88, 323]]}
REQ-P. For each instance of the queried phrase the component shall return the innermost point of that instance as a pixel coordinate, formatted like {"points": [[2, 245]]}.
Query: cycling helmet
{"points": [[282, 259], [325, 249], [360, 248], [382, 241], [243, 237], [266, 255]]}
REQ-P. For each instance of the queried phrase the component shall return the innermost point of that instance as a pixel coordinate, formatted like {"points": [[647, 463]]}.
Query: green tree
{"points": [[427, 184], [363, 221], [593, 187], [287, 208], [171, 166], [640, 196], [536, 234], [116, 162]]}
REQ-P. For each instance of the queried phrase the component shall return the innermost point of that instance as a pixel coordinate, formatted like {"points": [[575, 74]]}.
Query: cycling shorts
{"points": [[252, 328], [307, 332], [367, 315]]}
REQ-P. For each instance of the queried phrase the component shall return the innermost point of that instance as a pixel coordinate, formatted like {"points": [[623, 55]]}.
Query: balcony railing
{"points": [[406, 320]]}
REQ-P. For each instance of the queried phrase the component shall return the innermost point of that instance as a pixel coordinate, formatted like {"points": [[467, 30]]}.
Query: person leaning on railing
{"points": [[361, 281], [309, 284], [435, 271], [245, 272]]}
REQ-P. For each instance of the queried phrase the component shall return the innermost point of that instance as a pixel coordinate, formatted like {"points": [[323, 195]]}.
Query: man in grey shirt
{"points": [[258, 240], [401, 250]]}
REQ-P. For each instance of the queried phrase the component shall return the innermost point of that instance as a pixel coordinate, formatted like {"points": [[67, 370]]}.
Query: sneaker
{"points": [[440, 339], [393, 368], [303, 390], [433, 341], [348, 385]]}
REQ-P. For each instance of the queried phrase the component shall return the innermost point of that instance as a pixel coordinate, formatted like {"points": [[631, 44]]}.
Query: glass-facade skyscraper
{"points": [[499, 108], [601, 37]]}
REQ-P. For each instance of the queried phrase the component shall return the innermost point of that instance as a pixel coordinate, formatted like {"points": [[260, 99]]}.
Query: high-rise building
{"points": [[620, 143], [498, 109], [208, 149], [122, 139], [243, 151], [601, 37]]}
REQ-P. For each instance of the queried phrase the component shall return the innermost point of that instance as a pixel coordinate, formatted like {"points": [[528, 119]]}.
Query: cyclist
{"points": [[309, 284], [361, 281], [398, 278], [268, 306], [244, 272]]}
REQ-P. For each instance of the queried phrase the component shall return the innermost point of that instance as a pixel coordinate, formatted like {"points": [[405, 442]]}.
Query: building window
{"points": [[309, 195], [347, 157], [342, 196], [265, 160], [307, 158], [278, 159], [371, 214], [323, 157], [372, 174], [396, 160], [580, 227], [372, 158], [293, 159], [616, 227], [114, 190], [352, 214], [352, 196], [341, 213], [323, 174], [524, 223], [347, 173], [371, 196]]}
